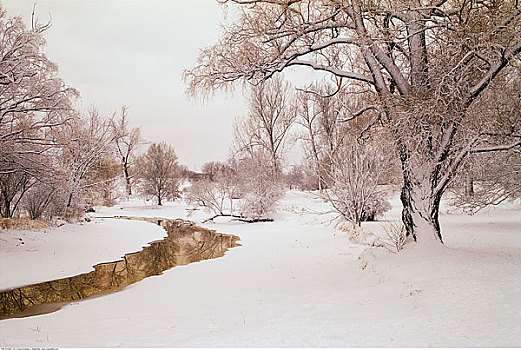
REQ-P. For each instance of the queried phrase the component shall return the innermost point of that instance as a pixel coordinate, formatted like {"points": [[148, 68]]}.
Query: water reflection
{"points": [[185, 243]]}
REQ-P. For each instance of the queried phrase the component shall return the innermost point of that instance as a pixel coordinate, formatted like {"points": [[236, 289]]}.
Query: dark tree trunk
{"points": [[469, 185], [127, 177], [69, 201], [6, 208]]}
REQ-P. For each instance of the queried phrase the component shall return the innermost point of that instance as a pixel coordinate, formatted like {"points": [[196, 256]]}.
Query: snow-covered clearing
{"points": [[294, 282]]}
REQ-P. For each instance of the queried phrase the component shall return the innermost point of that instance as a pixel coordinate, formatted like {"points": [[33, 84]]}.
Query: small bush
{"points": [[374, 206], [358, 235], [395, 236]]}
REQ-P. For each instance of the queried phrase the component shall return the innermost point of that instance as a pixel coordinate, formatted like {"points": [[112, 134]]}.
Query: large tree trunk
{"points": [[421, 205]]}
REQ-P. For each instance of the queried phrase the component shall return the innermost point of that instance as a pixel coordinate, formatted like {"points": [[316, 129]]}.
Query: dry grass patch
{"points": [[23, 223]]}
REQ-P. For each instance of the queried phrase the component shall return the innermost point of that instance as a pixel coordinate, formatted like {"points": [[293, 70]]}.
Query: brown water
{"points": [[186, 243]]}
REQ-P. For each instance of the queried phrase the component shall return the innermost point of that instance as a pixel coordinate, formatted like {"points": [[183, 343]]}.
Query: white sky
{"points": [[132, 53]]}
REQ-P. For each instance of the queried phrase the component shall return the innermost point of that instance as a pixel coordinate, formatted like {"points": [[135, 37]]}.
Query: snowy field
{"points": [[297, 281]]}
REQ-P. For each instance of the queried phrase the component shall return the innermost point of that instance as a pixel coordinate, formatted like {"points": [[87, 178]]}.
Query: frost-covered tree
{"points": [[244, 190], [87, 140], [296, 177], [34, 106], [158, 172], [309, 117], [258, 146], [102, 181], [345, 159], [426, 67], [488, 179], [13, 187]]}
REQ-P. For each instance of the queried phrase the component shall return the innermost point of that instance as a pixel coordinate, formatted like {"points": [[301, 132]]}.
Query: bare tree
{"points": [[295, 178], [489, 178], [215, 170], [185, 172], [308, 117], [427, 66], [327, 120], [159, 173], [102, 181], [127, 142], [271, 115]]}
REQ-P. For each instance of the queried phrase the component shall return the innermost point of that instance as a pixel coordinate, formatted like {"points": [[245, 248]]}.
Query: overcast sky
{"points": [[133, 53]]}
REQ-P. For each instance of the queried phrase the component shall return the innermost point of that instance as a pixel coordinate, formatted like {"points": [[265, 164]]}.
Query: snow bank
{"points": [[28, 257]]}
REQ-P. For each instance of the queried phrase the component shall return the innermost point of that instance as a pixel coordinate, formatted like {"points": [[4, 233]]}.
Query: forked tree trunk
{"points": [[421, 205]]}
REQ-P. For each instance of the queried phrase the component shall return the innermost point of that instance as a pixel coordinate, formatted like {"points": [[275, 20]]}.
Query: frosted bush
{"points": [[260, 189]]}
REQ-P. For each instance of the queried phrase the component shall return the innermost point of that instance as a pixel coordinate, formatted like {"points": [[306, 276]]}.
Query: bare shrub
{"points": [[353, 182], [395, 236], [247, 190], [358, 235], [37, 200], [213, 196]]}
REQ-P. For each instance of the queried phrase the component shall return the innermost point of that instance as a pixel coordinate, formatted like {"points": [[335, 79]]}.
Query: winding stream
{"points": [[185, 243]]}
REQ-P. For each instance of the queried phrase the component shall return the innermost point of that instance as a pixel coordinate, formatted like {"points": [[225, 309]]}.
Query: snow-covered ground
{"points": [[297, 281]]}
